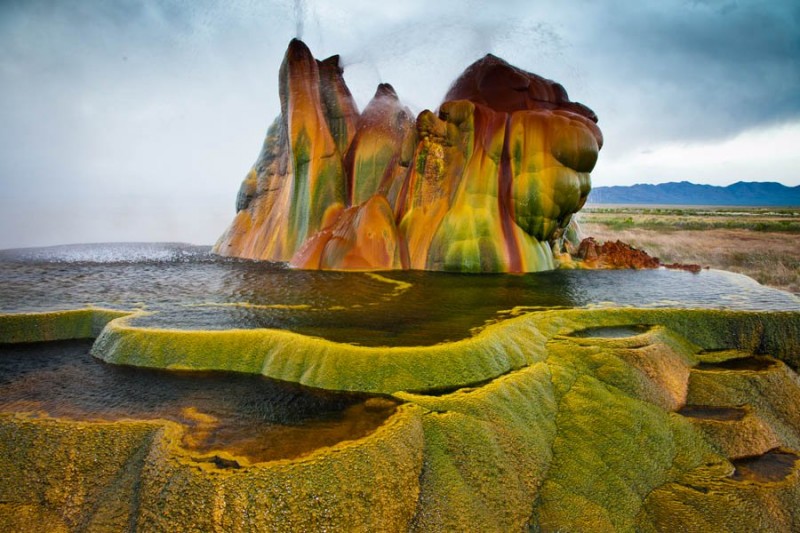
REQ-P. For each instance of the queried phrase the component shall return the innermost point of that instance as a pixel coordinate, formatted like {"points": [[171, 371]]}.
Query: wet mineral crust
{"points": [[561, 420]]}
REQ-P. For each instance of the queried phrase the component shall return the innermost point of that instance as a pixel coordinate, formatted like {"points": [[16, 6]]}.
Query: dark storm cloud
{"points": [[701, 69], [654, 71]]}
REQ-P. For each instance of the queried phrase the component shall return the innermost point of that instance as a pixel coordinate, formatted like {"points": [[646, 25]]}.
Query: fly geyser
{"points": [[487, 184]]}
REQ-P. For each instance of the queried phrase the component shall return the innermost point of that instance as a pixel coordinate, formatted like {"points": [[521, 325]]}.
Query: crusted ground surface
{"points": [[577, 420]]}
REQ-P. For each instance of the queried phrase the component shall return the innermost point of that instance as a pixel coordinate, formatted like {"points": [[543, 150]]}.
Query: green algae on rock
{"points": [[495, 350], [134, 475], [84, 323], [582, 426]]}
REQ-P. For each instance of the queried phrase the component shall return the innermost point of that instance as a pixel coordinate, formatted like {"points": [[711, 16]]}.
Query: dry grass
{"points": [[771, 258]]}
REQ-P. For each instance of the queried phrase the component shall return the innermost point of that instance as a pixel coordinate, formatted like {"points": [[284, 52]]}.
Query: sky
{"points": [[136, 120]]}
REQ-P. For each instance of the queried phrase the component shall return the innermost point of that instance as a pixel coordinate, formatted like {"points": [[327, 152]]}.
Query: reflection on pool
{"points": [[775, 465], [247, 415], [612, 332], [191, 289]]}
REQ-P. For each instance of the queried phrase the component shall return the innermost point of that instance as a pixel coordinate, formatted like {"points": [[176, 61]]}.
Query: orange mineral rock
{"points": [[612, 255], [375, 162], [486, 184]]}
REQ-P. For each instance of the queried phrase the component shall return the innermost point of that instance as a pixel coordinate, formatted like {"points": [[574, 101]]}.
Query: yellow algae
{"points": [[113, 476], [31, 518], [399, 286], [85, 474], [498, 348], [777, 414], [248, 305], [519, 310], [83, 323], [487, 453], [322, 363], [202, 425], [371, 484], [566, 429], [702, 500], [604, 446]]}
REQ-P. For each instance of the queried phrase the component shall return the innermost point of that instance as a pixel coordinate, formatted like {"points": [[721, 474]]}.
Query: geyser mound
{"points": [[487, 184]]}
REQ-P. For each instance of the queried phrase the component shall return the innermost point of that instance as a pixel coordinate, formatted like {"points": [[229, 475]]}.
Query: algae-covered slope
{"points": [[129, 475], [495, 350], [489, 183], [568, 420]]}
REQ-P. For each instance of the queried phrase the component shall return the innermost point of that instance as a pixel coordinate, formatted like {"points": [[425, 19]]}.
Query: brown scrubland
{"points": [[763, 243]]}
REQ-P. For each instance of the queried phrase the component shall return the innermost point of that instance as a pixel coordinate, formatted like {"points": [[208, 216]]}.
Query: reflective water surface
{"points": [[773, 466], [191, 288], [611, 332], [247, 415]]}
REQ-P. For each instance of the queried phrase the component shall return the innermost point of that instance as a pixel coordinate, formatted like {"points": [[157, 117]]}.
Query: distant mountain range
{"points": [[741, 193]]}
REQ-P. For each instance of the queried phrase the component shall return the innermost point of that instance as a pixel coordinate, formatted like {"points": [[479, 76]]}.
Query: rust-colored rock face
{"points": [[487, 184], [611, 255], [494, 83]]}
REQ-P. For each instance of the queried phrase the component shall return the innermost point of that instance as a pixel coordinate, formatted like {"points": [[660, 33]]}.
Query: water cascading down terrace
{"points": [[487, 184]]}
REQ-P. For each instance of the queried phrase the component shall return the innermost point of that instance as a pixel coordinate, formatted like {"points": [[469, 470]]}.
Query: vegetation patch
{"points": [[758, 242]]}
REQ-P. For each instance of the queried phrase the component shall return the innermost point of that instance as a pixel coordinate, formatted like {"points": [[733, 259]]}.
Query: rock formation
{"points": [[616, 255], [611, 255], [487, 184]]}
